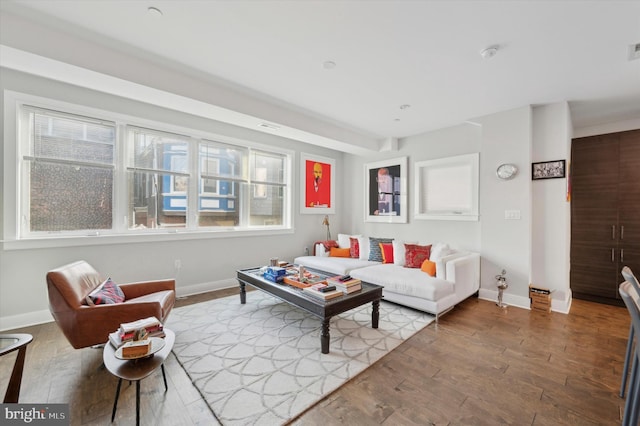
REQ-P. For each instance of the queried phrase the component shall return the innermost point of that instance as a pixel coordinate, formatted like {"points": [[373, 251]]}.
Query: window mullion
{"points": [[193, 192]]}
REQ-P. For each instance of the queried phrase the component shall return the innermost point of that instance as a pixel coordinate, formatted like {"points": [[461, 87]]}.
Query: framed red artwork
{"points": [[317, 178]]}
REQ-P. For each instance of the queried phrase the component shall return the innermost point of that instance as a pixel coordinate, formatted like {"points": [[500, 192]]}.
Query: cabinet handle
{"points": [[613, 232], [622, 232], [621, 255], [613, 256]]}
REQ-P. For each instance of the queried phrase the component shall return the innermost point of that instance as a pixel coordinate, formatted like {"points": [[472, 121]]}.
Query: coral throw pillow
{"points": [[429, 267], [340, 252], [107, 293], [415, 255], [354, 248], [387, 252]]}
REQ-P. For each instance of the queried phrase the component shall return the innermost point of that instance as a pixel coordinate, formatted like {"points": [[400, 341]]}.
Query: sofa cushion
{"points": [[340, 252], [363, 244], [429, 267], [408, 281], [354, 248], [387, 252], [343, 240], [416, 254], [375, 253], [334, 265]]}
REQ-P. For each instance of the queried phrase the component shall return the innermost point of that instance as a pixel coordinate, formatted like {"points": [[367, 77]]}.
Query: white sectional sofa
{"points": [[457, 274]]}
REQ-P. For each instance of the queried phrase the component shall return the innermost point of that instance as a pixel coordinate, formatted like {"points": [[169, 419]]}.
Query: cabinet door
{"points": [[594, 217], [629, 200]]}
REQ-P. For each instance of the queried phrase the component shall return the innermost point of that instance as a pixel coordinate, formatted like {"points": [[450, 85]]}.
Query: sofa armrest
{"points": [[441, 264], [137, 289], [322, 248], [464, 271]]}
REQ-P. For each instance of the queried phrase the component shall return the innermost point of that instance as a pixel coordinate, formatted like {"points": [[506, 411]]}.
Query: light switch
{"points": [[512, 214]]}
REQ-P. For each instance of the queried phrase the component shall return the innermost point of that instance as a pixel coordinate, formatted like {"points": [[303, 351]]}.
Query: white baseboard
{"points": [[41, 317], [25, 320], [561, 306], [205, 287]]}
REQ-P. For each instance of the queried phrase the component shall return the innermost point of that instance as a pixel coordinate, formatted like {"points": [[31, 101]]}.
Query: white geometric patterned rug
{"points": [[260, 363]]}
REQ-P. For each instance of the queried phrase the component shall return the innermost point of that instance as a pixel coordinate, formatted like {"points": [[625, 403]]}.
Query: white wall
{"points": [[462, 139], [506, 244], [206, 263], [551, 212]]}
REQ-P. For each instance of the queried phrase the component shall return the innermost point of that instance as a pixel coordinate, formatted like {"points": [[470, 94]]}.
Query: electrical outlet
{"points": [[177, 263], [306, 251]]}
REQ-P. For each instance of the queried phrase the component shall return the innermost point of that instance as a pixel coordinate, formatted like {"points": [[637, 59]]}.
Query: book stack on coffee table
{"points": [[345, 283]]}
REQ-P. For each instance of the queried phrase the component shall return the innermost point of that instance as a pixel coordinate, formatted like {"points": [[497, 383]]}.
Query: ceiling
{"points": [[423, 55]]}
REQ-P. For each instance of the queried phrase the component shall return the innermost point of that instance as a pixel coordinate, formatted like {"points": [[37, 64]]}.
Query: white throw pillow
{"points": [[363, 243], [438, 251], [343, 240]]}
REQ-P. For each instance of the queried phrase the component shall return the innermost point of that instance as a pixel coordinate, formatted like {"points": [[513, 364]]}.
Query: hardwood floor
{"points": [[481, 365]]}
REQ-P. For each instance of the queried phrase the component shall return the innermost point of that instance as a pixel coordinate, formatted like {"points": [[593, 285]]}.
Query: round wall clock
{"points": [[506, 171]]}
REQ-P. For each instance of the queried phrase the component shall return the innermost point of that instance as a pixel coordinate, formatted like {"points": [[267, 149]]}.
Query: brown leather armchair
{"points": [[85, 325]]}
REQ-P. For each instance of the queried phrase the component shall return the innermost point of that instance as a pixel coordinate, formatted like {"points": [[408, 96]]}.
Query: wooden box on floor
{"points": [[540, 298]]}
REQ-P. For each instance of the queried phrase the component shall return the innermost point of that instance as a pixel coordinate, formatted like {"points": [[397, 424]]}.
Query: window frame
{"points": [[448, 164], [16, 183]]}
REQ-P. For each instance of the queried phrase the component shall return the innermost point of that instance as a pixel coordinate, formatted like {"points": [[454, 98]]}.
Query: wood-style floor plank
{"points": [[480, 365]]}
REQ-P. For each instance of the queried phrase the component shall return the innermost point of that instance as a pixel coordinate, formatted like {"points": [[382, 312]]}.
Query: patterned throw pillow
{"points": [[387, 252], [107, 293], [415, 255], [375, 254], [354, 248]]}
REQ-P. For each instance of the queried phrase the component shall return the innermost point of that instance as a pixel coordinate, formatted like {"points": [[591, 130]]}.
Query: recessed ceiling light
{"points": [[154, 11], [489, 52], [328, 65]]}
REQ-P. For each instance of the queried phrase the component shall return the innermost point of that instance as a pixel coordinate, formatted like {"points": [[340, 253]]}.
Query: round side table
{"points": [[135, 370]]}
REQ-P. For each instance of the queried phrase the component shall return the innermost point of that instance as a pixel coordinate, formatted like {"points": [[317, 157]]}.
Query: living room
{"points": [[43, 61]]}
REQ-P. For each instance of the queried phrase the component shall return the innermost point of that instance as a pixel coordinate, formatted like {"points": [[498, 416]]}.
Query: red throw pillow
{"points": [[415, 255], [354, 248], [387, 252]]}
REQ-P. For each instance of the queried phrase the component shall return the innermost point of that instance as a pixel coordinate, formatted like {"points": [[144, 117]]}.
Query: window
{"points": [[81, 173], [158, 172], [447, 188], [69, 179]]}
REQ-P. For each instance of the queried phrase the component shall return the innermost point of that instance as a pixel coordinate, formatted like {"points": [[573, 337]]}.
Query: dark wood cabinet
{"points": [[605, 213]]}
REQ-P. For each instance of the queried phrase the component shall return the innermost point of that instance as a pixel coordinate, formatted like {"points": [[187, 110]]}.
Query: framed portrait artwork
{"points": [[386, 191], [317, 184], [548, 170]]}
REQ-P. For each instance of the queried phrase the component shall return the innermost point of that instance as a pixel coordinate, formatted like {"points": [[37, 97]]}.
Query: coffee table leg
{"points": [[375, 313], [324, 338], [115, 403], [243, 293]]}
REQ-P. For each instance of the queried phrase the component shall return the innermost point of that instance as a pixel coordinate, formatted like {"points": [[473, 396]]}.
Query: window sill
{"points": [[112, 239]]}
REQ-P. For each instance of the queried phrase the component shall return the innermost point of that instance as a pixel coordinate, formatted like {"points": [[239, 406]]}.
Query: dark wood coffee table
{"points": [[323, 309]]}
